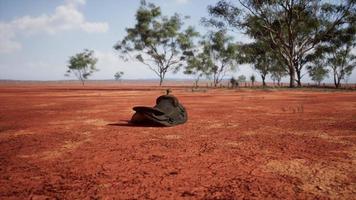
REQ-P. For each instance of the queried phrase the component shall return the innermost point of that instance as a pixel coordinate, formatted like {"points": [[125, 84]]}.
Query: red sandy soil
{"points": [[71, 142]]}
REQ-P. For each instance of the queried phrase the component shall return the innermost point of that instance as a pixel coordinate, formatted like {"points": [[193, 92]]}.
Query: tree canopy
{"points": [[82, 65], [339, 50], [198, 67], [317, 72], [118, 75], [157, 41], [220, 54], [292, 28], [261, 57]]}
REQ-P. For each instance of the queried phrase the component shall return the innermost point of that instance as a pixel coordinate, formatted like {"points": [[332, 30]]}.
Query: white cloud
{"points": [[66, 17], [7, 42]]}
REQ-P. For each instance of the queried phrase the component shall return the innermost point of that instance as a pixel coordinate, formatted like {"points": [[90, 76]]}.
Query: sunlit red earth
{"points": [[64, 141]]}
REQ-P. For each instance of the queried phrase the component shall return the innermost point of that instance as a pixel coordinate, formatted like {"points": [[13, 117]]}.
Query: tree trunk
{"points": [[196, 82], [161, 78], [82, 80], [216, 82], [263, 80], [291, 76], [338, 82], [299, 78]]}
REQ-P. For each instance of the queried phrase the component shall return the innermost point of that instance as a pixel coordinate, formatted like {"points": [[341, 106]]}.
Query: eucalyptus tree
{"points": [[198, 67], [292, 28], [318, 72], [214, 57], [82, 65], [220, 55], [118, 75], [241, 79], [342, 62], [340, 52], [157, 41], [277, 72], [260, 57]]}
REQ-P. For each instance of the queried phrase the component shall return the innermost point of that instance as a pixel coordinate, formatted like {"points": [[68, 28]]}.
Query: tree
{"points": [[252, 79], [82, 65], [234, 82], [262, 67], [277, 73], [197, 67], [293, 28], [219, 55], [317, 72], [257, 53], [339, 51], [118, 75], [241, 79], [157, 41], [342, 63]]}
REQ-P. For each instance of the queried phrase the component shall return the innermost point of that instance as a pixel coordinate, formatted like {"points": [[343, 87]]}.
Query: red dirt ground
{"points": [[69, 142]]}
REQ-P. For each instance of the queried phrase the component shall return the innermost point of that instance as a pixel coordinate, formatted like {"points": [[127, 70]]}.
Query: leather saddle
{"points": [[167, 112]]}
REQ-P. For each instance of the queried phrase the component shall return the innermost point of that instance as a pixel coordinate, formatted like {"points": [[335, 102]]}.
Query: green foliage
{"points": [[241, 79], [216, 55], [82, 65], [262, 58], [157, 41], [277, 73], [118, 75], [291, 28], [317, 72], [219, 55], [197, 67], [339, 51]]}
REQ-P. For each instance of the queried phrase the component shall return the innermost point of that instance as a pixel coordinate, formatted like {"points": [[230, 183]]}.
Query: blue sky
{"points": [[37, 37]]}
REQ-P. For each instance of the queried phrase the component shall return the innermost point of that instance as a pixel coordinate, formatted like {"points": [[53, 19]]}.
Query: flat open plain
{"points": [[64, 141]]}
